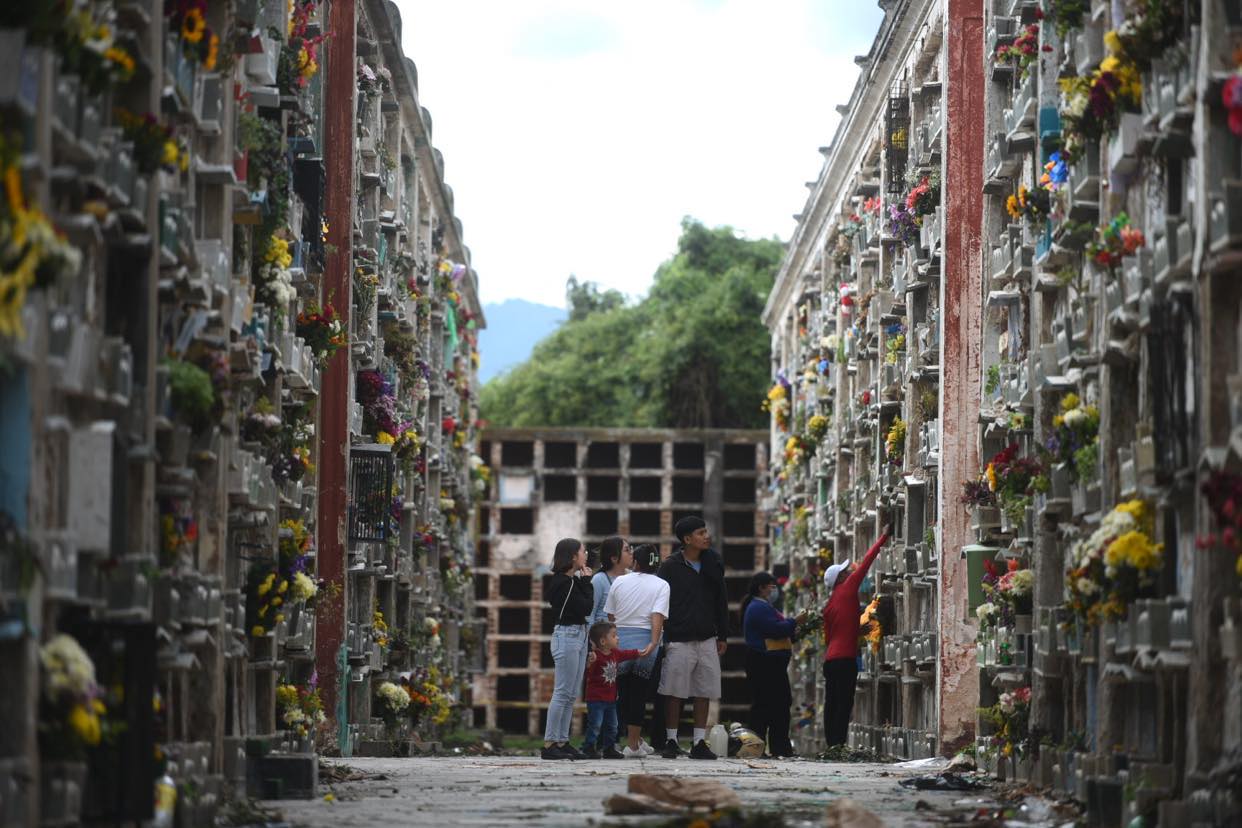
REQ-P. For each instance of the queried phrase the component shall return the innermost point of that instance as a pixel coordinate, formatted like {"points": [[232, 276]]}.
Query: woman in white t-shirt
{"points": [[638, 604]]}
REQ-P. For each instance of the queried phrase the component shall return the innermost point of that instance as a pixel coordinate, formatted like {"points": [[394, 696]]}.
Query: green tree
{"points": [[693, 353]]}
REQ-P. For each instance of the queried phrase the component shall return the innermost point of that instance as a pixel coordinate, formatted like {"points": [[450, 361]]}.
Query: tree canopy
{"points": [[692, 353]]}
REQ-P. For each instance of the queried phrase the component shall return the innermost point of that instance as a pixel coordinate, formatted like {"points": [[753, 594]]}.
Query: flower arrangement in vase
{"points": [[1074, 438], [1223, 492], [1011, 717], [1114, 241], [1009, 482], [1114, 565]]}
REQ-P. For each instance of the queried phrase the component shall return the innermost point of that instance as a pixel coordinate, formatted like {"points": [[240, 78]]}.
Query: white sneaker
{"points": [[647, 749], [630, 753]]}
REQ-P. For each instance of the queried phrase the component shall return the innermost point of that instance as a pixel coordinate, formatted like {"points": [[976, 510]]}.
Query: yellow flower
{"points": [[283, 586], [171, 154], [1134, 508], [1012, 207], [1134, 549], [121, 59], [13, 188], [991, 476], [213, 53], [279, 617], [385, 439], [1069, 401], [193, 26], [1110, 64], [1238, 567], [1112, 42], [85, 724], [257, 631], [1058, 421]]}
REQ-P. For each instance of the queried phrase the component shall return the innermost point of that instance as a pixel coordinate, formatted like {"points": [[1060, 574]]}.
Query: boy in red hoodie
{"points": [[601, 690], [841, 637]]}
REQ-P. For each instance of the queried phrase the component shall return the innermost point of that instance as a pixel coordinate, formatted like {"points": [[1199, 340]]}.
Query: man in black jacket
{"points": [[695, 633]]}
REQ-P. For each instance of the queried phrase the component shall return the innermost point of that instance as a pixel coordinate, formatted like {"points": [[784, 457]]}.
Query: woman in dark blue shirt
{"points": [[769, 640]]}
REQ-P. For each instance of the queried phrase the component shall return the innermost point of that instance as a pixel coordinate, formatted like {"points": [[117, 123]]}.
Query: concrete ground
{"points": [[521, 790]]}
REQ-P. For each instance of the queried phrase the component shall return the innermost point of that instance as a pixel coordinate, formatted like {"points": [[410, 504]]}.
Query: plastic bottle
{"points": [[165, 802], [718, 740]]}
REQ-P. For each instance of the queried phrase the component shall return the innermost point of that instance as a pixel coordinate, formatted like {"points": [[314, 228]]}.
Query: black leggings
{"points": [[840, 678], [771, 698]]}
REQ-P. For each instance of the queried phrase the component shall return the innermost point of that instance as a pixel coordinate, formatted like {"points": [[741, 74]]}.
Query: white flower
{"points": [[393, 697], [69, 668], [303, 588], [1075, 416], [985, 611], [1086, 586]]}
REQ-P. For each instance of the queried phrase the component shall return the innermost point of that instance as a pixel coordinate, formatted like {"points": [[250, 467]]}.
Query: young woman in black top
{"points": [[571, 596]]}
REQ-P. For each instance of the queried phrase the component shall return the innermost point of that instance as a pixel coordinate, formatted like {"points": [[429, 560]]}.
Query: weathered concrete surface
{"points": [[521, 790]]}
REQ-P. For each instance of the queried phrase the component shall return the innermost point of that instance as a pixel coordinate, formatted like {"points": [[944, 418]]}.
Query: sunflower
{"points": [[193, 26]]}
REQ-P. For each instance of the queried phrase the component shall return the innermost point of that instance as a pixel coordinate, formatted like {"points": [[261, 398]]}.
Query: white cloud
{"points": [[577, 135]]}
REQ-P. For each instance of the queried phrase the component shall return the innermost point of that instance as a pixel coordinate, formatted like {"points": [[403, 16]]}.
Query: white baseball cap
{"points": [[832, 573]]}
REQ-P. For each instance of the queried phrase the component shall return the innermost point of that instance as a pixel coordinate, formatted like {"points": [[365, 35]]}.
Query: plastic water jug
{"points": [[718, 740]]}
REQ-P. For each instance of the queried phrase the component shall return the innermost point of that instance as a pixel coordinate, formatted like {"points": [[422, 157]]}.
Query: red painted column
{"points": [[961, 303], [335, 392]]}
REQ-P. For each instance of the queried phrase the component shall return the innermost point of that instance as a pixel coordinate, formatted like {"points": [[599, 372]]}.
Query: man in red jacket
{"points": [[841, 636]]}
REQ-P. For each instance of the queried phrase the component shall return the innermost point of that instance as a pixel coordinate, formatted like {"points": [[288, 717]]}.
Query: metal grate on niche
{"points": [[370, 492]]}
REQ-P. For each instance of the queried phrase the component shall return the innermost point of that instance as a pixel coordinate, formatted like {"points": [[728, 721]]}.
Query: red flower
{"points": [[782, 580]]}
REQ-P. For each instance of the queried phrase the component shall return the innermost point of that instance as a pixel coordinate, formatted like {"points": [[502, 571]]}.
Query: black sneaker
{"points": [[572, 752], [589, 752], [553, 752], [701, 751], [671, 750], [612, 753]]}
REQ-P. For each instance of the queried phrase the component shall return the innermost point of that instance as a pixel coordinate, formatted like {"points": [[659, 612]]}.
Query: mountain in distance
{"points": [[513, 328]]}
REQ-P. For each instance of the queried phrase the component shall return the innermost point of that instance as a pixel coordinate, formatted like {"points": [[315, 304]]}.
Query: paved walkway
{"points": [[519, 790]]}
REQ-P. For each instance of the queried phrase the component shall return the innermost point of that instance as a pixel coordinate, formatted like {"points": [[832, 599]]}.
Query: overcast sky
{"points": [[577, 134]]}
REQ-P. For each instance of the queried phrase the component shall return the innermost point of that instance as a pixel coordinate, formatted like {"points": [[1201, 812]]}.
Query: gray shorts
{"points": [[691, 670]]}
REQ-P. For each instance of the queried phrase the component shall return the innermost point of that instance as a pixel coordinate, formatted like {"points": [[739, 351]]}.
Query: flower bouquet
{"points": [[1009, 482], [1034, 205], [1115, 565], [1075, 437], [777, 402], [1092, 104], [1011, 717], [895, 441], [299, 707], [71, 705], [1223, 492], [903, 224], [924, 197], [390, 703], [197, 39], [322, 330], [1024, 50], [1114, 241]]}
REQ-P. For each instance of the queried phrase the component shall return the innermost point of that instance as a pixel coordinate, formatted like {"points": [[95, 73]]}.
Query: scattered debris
{"points": [[333, 773], [845, 753], [961, 763], [932, 763], [239, 812], [942, 782], [847, 813], [650, 794]]}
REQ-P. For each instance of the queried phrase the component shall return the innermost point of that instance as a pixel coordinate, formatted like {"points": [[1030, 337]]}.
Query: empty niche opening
{"points": [[515, 587], [485, 521], [559, 488], [514, 621], [560, 455], [646, 455], [645, 490], [512, 653], [739, 456], [512, 719], [645, 522], [603, 489], [687, 455], [736, 586], [687, 490], [517, 521], [733, 689], [603, 456], [513, 688], [481, 586], [739, 556], [483, 554], [513, 453], [485, 450], [739, 524], [602, 522], [739, 490]]}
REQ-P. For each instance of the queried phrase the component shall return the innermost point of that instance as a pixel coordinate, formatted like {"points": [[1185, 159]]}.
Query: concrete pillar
{"points": [[957, 682], [335, 394]]}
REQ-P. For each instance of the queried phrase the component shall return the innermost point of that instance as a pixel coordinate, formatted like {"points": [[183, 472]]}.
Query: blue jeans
{"points": [[569, 651], [601, 725]]}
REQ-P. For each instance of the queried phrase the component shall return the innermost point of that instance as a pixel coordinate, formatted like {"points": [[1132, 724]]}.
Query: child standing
{"points": [[601, 690]]}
